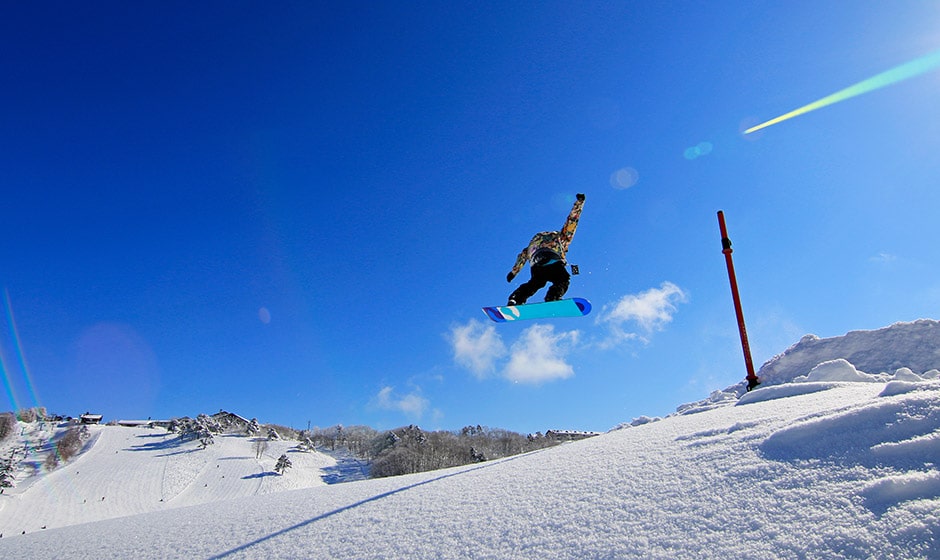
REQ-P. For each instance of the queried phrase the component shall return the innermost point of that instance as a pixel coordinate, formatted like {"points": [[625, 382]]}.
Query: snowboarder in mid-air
{"points": [[546, 255]]}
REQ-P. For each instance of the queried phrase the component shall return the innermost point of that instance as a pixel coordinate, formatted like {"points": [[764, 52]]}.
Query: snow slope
{"points": [[812, 467], [125, 471]]}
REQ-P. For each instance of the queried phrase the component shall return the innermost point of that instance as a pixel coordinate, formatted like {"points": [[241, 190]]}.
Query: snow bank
{"points": [[914, 345], [858, 356]]}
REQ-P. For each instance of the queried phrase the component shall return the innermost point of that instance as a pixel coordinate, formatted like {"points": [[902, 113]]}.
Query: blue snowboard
{"points": [[575, 307]]}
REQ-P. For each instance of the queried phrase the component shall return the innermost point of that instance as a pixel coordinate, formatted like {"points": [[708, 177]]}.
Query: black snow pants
{"points": [[556, 273]]}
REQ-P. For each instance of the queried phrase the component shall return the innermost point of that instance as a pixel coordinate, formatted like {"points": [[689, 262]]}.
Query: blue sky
{"points": [[295, 210]]}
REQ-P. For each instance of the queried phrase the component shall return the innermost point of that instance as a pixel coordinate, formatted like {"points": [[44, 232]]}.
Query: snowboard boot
{"points": [[556, 292]]}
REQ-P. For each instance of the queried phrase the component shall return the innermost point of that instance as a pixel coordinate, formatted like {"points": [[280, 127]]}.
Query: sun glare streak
{"points": [[8, 382], [21, 357], [63, 489], [907, 70]]}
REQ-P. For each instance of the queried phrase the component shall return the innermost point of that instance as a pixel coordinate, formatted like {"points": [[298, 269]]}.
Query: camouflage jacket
{"points": [[547, 246]]}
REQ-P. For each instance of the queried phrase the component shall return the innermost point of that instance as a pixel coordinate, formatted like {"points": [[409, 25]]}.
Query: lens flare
{"points": [[63, 489], [907, 70], [624, 178], [699, 150], [8, 383], [21, 357]]}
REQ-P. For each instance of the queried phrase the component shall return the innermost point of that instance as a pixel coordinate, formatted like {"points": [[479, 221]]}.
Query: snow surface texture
{"points": [[810, 466]]}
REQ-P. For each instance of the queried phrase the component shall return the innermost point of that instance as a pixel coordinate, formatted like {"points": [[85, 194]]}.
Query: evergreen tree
{"points": [[306, 444], [6, 472], [200, 429], [283, 463]]}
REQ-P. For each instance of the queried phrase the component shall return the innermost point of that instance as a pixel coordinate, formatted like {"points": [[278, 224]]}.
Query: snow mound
{"points": [[835, 370], [817, 364], [914, 346], [774, 392]]}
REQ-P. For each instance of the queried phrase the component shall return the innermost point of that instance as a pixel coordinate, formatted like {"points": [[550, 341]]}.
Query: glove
{"points": [[510, 276], [580, 197]]}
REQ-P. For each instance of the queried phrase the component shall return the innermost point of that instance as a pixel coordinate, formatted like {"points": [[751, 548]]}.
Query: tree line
{"points": [[410, 449]]}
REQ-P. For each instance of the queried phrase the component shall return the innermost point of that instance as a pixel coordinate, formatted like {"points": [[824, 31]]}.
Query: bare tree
{"points": [[71, 443], [7, 425], [52, 461], [30, 415], [260, 446]]}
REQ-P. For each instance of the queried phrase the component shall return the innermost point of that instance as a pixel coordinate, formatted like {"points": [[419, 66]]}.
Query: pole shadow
{"points": [[352, 506]]}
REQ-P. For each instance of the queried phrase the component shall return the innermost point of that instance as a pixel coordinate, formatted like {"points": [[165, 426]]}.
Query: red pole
{"points": [[752, 380]]}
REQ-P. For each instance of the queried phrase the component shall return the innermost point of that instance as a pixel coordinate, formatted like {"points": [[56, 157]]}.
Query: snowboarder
{"points": [[546, 255]]}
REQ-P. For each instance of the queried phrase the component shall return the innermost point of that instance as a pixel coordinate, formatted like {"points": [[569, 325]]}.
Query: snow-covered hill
{"points": [[809, 465], [125, 471]]}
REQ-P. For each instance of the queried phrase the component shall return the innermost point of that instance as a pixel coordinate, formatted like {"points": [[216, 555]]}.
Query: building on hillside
{"points": [[89, 418], [569, 435]]}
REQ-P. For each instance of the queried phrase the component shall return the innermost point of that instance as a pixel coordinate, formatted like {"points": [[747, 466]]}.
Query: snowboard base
{"points": [[574, 307]]}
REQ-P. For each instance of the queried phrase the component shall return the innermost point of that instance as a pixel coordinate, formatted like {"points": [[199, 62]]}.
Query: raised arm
{"points": [[571, 224]]}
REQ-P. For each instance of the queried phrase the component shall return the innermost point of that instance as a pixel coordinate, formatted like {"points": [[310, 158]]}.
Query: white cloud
{"points": [[539, 355], [883, 258], [651, 310], [477, 347], [411, 404]]}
